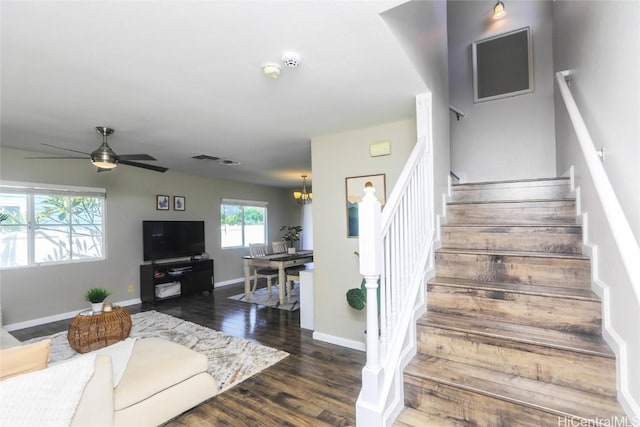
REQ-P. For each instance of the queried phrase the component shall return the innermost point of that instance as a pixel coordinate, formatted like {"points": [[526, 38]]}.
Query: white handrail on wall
{"points": [[620, 228], [621, 231], [395, 247]]}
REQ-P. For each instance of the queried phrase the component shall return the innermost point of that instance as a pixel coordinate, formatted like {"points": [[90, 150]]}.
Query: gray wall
{"points": [[37, 292], [600, 42], [509, 138]]}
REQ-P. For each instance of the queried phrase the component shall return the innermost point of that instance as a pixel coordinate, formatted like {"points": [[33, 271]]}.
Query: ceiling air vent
{"points": [[205, 157]]}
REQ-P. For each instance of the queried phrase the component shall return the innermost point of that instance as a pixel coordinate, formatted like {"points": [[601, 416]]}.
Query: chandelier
{"points": [[303, 197]]}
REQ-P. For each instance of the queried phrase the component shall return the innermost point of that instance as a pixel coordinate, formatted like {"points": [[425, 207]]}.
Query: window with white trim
{"points": [[242, 222], [47, 224]]}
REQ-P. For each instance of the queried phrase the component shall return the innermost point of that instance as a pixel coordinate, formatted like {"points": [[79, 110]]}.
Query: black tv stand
{"points": [[193, 277]]}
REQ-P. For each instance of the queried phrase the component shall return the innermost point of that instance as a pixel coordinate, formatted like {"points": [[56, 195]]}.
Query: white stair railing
{"points": [[395, 249]]}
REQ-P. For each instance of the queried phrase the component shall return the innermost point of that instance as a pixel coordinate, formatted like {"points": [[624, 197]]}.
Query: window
{"points": [[40, 224], [502, 66], [242, 222]]}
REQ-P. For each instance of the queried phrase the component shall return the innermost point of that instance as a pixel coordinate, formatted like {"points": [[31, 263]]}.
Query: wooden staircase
{"points": [[513, 333]]}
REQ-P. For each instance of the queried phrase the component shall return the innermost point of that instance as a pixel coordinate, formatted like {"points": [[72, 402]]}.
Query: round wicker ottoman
{"points": [[92, 331]]}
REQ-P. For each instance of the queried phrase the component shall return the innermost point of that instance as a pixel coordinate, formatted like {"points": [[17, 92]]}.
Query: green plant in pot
{"points": [[357, 297], [96, 297], [291, 235]]}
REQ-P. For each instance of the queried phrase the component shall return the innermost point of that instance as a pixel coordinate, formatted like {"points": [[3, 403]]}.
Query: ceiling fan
{"points": [[105, 158]]}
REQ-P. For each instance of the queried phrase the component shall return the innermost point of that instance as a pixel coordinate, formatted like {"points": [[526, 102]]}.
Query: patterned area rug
{"points": [[263, 297], [231, 360]]}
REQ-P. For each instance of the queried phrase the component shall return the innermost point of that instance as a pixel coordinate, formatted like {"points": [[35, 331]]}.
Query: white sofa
{"points": [[161, 380]]}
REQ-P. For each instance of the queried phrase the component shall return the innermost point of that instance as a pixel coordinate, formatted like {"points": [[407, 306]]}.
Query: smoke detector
{"points": [[291, 59], [271, 70]]}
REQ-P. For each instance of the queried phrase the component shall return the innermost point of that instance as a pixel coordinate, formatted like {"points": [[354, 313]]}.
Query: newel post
{"points": [[370, 247]]}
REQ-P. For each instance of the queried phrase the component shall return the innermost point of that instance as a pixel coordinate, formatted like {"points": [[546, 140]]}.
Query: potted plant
{"points": [[96, 297], [357, 297], [291, 236]]}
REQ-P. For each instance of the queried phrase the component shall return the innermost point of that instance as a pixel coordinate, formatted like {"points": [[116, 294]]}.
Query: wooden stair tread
{"points": [[515, 201], [550, 291], [513, 253], [562, 401], [586, 344], [571, 227], [542, 181]]}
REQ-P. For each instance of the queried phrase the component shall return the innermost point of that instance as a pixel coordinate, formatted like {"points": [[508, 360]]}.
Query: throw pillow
{"points": [[24, 358]]}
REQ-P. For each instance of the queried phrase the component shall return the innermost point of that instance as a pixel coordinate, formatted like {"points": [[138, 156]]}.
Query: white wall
{"points": [[509, 138], [600, 42], [37, 292]]}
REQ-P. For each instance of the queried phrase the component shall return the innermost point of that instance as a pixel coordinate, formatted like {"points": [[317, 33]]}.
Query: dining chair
{"points": [[279, 247], [293, 275], [259, 249]]}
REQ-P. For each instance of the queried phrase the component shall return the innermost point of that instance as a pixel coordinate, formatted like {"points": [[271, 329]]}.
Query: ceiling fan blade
{"points": [[144, 166], [104, 169], [136, 157], [57, 157], [66, 149]]}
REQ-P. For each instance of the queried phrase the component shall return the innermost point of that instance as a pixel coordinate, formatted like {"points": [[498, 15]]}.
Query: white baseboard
{"points": [[61, 316], [342, 342], [229, 282]]}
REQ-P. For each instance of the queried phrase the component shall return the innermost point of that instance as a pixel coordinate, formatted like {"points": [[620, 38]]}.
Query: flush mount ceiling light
{"points": [[303, 197], [291, 59], [271, 70], [498, 10]]}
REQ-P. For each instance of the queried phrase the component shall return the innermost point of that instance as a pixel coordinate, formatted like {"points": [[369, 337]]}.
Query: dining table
{"points": [[281, 261]]}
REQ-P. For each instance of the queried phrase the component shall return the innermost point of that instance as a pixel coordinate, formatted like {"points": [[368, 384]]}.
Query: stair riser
{"points": [[511, 191], [567, 315], [466, 408], [522, 213], [565, 273], [564, 240], [562, 367]]}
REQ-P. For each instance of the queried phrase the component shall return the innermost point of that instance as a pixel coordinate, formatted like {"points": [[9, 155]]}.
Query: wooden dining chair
{"points": [[292, 275], [279, 247], [258, 249]]}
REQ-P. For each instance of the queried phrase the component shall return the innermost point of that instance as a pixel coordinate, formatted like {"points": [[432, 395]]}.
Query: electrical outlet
{"points": [[130, 289]]}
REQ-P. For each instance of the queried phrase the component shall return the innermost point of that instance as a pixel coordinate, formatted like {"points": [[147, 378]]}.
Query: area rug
{"points": [[263, 297], [231, 359]]}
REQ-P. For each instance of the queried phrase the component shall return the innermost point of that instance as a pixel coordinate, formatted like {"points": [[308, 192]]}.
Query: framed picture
{"points": [[354, 193], [179, 203], [162, 202]]}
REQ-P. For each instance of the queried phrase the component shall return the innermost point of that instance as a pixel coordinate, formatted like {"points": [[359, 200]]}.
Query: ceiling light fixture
{"points": [[303, 197], [104, 157], [271, 70], [498, 10]]}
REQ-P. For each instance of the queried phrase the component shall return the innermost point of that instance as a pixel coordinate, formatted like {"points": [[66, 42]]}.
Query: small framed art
{"points": [[354, 193], [162, 202], [179, 203]]}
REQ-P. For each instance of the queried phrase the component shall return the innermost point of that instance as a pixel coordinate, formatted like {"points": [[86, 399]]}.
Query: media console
{"points": [[159, 281]]}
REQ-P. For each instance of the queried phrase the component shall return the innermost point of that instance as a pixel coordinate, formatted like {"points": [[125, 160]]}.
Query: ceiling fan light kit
{"points": [[104, 158]]}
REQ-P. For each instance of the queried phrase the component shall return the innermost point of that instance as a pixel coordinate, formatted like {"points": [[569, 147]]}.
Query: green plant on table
{"points": [[96, 295], [292, 233]]}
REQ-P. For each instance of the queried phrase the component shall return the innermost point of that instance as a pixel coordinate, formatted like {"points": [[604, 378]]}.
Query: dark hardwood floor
{"points": [[317, 385]]}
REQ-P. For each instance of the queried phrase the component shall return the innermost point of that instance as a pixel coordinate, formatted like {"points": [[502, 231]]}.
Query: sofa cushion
{"points": [[155, 365], [95, 408], [6, 339], [24, 358]]}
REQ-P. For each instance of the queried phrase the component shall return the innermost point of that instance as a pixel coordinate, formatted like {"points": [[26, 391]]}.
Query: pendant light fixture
{"points": [[104, 157], [498, 10], [303, 197]]}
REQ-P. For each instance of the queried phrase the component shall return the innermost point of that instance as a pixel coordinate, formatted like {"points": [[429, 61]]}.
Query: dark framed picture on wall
{"points": [[179, 203], [354, 187], [162, 202]]}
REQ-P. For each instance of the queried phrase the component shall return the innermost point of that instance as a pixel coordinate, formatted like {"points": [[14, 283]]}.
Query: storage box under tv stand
{"points": [[194, 277]]}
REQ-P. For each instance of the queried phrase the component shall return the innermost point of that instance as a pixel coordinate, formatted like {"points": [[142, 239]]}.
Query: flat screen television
{"points": [[172, 239]]}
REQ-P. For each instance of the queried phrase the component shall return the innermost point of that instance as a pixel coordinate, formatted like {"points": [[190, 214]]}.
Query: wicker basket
{"points": [[87, 333]]}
